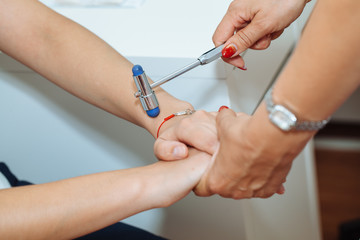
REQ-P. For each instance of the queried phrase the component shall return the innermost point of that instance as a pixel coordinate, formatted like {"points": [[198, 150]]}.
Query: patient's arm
{"points": [[81, 63], [76, 60], [71, 208]]}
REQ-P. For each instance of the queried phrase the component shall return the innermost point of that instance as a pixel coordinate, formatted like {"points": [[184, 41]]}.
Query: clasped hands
{"points": [[238, 168], [246, 160]]}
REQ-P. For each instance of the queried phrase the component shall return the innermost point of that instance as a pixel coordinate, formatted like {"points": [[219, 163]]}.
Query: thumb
{"points": [[170, 150], [244, 39]]}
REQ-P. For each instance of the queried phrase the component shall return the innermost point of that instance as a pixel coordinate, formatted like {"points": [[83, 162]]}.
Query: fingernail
{"points": [[223, 107], [179, 151], [229, 50], [243, 68], [281, 190]]}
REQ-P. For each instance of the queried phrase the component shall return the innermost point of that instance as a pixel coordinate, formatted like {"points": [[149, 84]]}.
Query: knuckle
{"points": [[224, 195], [243, 194], [267, 194], [264, 26], [232, 6], [161, 151], [214, 39], [215, 188], [264, 196], [263, 193], [235, 6], [258, 184], [244, 38], [269, 191], [200, 114], [201, 193], [223, 122], [185, 123]]}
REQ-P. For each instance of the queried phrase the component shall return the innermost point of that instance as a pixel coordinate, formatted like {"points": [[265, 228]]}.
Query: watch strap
{"points": [[299, 125]]}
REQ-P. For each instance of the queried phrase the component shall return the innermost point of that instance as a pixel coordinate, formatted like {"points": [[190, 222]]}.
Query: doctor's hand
{"points": [[197, 130], [253, 24], [253, 160]]}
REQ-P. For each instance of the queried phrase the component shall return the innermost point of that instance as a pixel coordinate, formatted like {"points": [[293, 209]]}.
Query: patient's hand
{"points": [[197, 130], [243, 164], [173, 180]]}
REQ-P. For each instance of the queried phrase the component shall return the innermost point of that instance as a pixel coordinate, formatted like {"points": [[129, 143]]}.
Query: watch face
{"points": [[282, 118]]}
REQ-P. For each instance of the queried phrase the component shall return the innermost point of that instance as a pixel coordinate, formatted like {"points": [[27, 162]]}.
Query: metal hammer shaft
{"points": [[205, 58]]}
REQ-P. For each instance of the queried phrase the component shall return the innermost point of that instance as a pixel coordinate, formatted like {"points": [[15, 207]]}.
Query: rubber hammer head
{"points": [[145, 93]]}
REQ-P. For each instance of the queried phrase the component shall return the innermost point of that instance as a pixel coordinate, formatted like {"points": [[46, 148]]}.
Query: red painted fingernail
{"points": [[229, 51], [223, 107], [243, 68]]}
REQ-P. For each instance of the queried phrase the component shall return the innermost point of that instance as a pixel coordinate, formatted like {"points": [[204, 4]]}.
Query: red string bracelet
{"points": [[186, 112]]}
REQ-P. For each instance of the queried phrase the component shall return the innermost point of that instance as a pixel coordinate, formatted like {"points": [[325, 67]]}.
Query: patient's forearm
{"points": [[75, 59], [70, 208]]}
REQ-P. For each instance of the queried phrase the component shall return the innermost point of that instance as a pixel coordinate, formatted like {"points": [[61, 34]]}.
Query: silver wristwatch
{"points": [[284, 119]]}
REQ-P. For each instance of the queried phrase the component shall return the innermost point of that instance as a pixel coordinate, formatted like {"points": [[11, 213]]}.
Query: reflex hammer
{"points": [[145, 89]]}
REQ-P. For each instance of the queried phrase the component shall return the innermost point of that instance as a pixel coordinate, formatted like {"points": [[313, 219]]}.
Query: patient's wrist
{"points": [[168, 105]]}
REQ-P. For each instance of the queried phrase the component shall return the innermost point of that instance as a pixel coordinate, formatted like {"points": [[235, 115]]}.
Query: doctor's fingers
{"points": [[236, 61], [261, 44], [264, 42], [275, 183], [229, 124]]}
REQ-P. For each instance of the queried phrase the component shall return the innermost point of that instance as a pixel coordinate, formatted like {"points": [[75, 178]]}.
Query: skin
{"points": [[255, 156], [73, 207], [197, 130], [101, 76], [253, 24], [90, 69], [258, 166]]}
